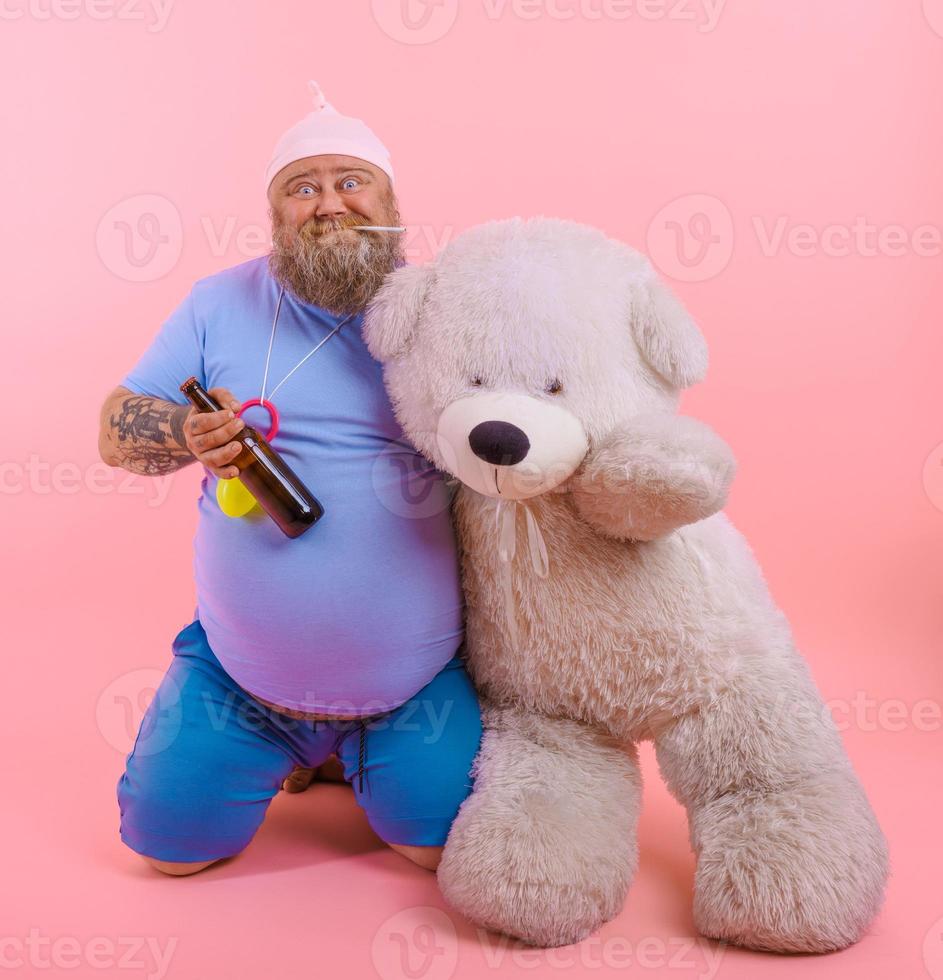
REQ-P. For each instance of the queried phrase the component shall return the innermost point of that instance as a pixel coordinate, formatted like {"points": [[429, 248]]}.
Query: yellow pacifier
{"points": [[233, 498]]}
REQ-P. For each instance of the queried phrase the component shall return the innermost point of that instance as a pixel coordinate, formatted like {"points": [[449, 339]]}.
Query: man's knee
{"points": [[179, 868], [425, 857]]}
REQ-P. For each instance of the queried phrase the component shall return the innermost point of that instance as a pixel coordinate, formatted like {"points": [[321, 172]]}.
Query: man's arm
{"points": [[143, 434], [151, 436]]}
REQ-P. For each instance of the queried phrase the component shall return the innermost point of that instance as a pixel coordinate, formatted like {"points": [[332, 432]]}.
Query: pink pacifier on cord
{"points": [[233, 497], [272, 414]]}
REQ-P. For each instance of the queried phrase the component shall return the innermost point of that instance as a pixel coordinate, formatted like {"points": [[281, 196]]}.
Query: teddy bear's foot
{"points": [[541, 913], [797, 870], [544, 850]]}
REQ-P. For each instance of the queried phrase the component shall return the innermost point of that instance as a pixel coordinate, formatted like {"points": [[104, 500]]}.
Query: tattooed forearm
{"points": [[145, 435]]}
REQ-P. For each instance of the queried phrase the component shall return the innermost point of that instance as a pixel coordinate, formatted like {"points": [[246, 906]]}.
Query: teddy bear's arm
{"points": [[653, 474]]}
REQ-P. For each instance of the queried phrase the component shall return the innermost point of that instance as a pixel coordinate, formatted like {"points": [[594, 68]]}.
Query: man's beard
{"points": [[339, 273]]}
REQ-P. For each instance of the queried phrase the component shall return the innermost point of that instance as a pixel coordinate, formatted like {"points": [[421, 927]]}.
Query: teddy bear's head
{"points": [[522, 344]]}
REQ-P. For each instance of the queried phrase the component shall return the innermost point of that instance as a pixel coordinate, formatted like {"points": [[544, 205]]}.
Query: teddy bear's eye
{"points": [[476, 381], [554, 387]]}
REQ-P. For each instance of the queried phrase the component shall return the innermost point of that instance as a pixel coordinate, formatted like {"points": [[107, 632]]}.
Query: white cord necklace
{"points": [[314, 350], [233, 497]]}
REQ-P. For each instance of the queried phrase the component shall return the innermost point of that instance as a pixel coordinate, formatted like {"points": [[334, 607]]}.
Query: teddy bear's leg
{"points": [[790, 857], [544, 849]]}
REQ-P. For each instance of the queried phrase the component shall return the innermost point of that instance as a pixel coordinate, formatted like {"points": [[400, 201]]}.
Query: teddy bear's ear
{"points": [[667, 336], [391, 316]]}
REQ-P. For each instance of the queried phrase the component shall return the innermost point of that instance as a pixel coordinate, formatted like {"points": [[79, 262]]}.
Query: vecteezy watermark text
{"points": [[421, 943], [41, 952], [44, 477], [153, 13], [693, 238], [426, 21]]}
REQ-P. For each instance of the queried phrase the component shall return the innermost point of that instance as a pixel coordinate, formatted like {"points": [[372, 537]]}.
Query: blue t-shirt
{"points": [[363, 609]]}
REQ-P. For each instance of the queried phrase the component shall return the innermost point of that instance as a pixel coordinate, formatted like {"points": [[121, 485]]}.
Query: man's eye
{"points": [[351, 181], [306, 190]]}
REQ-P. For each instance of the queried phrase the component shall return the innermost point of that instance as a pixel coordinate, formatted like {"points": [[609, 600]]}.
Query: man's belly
{"points": [[350, 619]]}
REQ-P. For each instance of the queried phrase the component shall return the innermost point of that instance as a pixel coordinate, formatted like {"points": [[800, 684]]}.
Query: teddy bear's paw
{"points": [[538, 872], [541, 913], [656, 473], [801, 870]]}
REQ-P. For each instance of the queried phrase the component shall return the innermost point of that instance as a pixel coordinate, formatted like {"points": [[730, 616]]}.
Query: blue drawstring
{"points": [[362, 754]]}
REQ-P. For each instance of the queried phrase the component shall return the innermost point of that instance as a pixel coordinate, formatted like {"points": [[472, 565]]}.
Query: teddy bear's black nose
{"points": [[500, 443]]}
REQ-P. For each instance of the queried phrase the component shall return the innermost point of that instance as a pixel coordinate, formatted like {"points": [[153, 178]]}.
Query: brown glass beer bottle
{"points": [[265, 474]]}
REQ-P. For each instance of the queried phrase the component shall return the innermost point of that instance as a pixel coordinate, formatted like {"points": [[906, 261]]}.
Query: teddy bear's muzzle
{"points": [[509, 444]]}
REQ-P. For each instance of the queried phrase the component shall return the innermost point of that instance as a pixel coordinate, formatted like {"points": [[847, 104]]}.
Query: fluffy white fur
{"points": [[654, 622]]}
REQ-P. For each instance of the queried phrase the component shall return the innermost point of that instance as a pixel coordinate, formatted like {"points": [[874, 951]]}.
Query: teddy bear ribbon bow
{"points": [[505, 519]]}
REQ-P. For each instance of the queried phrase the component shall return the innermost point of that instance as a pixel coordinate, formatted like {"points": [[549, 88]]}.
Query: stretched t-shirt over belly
{"points": [[362, 610]]}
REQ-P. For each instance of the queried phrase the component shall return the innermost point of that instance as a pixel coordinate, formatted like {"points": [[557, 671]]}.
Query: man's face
{"points": [[314, 204]]}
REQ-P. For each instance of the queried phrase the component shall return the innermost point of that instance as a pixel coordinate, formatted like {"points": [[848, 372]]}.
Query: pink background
{"points": [[825, 378]]}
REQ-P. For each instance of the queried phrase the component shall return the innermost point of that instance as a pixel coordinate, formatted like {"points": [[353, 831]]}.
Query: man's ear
{"points": [[667, 336], [391, 316]]}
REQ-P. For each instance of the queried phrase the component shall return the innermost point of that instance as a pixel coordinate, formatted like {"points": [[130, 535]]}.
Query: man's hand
{"points": [[209, 435]]}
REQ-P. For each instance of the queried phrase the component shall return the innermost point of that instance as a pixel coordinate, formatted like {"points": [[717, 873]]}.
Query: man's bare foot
{"points": [[300, 778], [331, 770]]}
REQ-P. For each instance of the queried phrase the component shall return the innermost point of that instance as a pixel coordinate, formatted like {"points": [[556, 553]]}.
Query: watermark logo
{"points": [[140, 238], [415, 21], [694, 957], [933, 12], [422, 716], [418, 943], [67, 478], [141, 710], [837, 240], [421, 944], [704, 14], [420, 242], [869, 714], [933, 950], [154, 13], [42, 952], [407, 485], [691, 238], [933, 477], [425, 21]]}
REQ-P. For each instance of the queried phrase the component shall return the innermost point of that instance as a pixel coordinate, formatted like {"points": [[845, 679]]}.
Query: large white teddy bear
{"points": [[609, 601]]}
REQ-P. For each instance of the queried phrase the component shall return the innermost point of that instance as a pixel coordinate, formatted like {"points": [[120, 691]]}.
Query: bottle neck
{"points": [[199, 396]]}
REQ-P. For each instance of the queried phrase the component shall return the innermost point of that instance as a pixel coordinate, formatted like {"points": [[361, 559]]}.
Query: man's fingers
{"points": [[226, 398], [198, 422], [224, 472], [209, 435], [222, 456], [216, 437], [206, 421]]}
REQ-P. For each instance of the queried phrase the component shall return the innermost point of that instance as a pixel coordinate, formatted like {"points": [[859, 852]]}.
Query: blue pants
{"points": [[208, 759]]}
